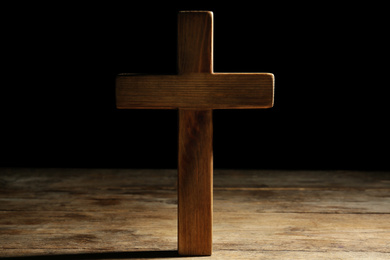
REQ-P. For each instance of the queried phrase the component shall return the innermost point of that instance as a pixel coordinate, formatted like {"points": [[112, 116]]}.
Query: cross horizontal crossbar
{"points": [[197, 90]]}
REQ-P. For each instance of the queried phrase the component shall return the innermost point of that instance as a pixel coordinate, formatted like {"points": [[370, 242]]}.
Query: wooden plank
{"points": [[195, 182], [195, 157], [225, 254], [297, 180], [60, 232], [309, 191], [211, 91], [79, 179], [119, 213], [195, 42], [314, 233]]}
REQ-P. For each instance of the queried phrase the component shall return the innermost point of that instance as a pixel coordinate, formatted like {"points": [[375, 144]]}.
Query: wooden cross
{"points": [[195, 92]]}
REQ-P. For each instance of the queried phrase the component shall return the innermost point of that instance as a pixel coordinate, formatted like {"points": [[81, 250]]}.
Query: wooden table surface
{"points": [[132, 214]]}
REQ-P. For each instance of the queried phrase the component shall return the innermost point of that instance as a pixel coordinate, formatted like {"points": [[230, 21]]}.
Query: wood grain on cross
{"points": [[195, 92]]}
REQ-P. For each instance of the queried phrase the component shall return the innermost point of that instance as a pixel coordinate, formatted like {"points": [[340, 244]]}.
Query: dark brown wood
{"points": [[195, 182], [195, 42], [195, 159], [199, 90]]}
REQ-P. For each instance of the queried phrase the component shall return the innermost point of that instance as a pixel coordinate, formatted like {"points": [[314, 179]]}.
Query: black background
{"points": [[329, 61]]}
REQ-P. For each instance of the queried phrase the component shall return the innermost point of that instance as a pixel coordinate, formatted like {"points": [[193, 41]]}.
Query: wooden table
{"points": [[121, 213]]}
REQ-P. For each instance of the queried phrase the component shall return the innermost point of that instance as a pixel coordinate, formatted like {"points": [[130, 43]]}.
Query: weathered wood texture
{"points": [[201, 90], [195, 182], [119, 213]]}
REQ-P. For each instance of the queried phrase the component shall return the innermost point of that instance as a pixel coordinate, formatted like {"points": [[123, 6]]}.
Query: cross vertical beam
{"points": [[195, 182], [195, 159]]}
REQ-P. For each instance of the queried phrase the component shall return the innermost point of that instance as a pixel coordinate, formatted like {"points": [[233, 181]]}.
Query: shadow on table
{"points": [[106, 255]]}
